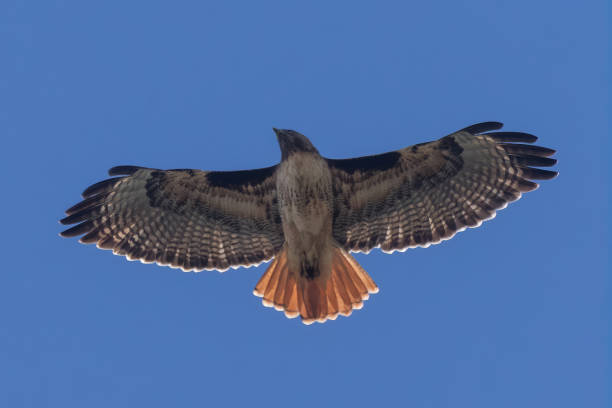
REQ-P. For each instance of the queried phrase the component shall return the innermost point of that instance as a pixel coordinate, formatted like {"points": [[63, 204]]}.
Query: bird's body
{"points": [[308, 212], [306, 206], [300, 279]]}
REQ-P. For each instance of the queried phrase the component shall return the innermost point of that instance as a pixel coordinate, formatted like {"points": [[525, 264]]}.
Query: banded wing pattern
{"points": [[188, 219], [423, 194]]}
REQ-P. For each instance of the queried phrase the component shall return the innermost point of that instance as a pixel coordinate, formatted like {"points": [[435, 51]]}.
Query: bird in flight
{"points": [[308, 212]]}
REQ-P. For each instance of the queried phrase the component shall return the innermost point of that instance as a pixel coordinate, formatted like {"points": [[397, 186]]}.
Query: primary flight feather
{"points": [[308, 212]]}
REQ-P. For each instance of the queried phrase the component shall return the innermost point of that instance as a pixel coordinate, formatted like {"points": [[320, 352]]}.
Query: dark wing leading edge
{"points": [[425, 193], [187, 219]]}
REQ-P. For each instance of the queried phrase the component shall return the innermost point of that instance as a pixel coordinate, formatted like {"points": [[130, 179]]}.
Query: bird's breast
{"points": [[304, 191], [305, 201]]}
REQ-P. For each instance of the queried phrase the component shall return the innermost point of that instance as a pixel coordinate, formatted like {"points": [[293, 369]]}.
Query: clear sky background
{"points": [[512, 314]]}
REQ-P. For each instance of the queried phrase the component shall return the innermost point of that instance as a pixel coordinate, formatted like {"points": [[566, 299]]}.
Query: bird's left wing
{"points": [[425, 193], [189, 219]]}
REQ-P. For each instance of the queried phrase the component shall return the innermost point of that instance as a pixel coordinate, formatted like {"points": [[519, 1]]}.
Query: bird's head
{"points": [[291, 142]]}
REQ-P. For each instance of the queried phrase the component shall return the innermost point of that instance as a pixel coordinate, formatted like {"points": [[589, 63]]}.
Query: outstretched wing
{"points": [[187, 219], [425, 193]]}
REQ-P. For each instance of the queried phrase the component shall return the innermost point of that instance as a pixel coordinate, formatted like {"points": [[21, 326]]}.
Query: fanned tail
{"points": [[278, 287], [316, 299]]}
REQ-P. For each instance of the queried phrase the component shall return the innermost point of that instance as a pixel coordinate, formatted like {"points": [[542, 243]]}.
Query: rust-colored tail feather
{"points": [[316, 299]]}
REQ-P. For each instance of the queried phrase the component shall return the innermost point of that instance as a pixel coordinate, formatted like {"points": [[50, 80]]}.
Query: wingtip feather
{"points": [[100, 187], [512, 137], [478, 128], [124, 170]]}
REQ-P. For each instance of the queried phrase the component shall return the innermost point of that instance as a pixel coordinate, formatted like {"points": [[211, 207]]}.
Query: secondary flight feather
{"points": [[308, 212]]}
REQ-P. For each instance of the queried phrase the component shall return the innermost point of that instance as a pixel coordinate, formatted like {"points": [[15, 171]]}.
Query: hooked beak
{"points": [[279, 133]]}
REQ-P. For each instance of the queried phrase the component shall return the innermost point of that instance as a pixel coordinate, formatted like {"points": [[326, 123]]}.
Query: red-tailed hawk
{"points": [[308, 212]]}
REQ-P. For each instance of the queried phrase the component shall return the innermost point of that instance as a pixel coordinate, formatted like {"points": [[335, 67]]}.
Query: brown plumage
{"points": [[308, 212]]}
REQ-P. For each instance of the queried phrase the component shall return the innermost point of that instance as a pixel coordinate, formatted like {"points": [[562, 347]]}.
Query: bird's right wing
{"points": [[425, 193], [189, 219]]}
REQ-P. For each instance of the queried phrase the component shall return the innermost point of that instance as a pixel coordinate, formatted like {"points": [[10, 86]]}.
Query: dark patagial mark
{"points": [[236, 180], [366, 164], [448, 143], [415, 148], [191, 172]]}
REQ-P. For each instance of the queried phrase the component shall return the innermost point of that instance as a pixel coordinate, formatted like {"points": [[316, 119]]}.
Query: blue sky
{"points": [[514, 313]]}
